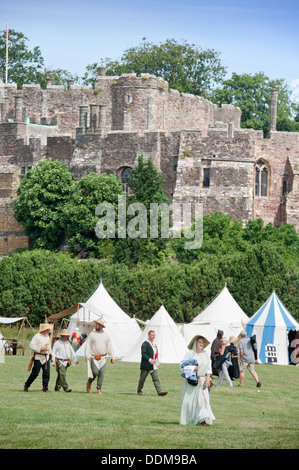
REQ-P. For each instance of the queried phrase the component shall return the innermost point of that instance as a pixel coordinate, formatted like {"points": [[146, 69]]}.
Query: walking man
{"points": [[247, 359], [41, 347], [150, 364], [98, 346], [62, 354]]}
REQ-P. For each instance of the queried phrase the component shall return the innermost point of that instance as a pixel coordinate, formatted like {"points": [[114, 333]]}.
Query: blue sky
{"points": [[252, 36]]}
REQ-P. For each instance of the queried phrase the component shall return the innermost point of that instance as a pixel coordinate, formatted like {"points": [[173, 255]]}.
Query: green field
{"points": [[246, 418]]}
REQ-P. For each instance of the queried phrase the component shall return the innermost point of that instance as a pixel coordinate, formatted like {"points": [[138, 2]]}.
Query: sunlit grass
{"points": [[246, 417]]}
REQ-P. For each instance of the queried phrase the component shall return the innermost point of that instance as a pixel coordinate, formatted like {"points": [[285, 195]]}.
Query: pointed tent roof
{"points": [[122, 329], [270, 324], [222, 311], [172, 346]]}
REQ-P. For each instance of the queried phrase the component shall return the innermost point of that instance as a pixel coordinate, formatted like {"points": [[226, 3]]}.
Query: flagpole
{"points": [[6, 71]]}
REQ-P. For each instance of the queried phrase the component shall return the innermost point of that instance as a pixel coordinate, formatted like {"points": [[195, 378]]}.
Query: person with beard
{"points": [[98, 347]]}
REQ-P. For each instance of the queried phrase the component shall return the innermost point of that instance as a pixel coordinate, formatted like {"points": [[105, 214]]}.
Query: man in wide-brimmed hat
{"points": [[41, 347], [62, 355], [98, 347]]}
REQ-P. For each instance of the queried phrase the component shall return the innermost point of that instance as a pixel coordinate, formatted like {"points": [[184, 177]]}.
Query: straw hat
{"points": [[194, 339], [100, 322], [65, 332], [44, 327]]}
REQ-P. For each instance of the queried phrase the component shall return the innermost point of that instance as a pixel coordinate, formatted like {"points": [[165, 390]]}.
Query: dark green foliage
{"points": [[42, 194], [146, 184], [39, 283], [79, 212]]}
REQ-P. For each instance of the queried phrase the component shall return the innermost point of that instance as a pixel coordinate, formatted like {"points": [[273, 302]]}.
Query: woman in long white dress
{"points": [[195, 401]]}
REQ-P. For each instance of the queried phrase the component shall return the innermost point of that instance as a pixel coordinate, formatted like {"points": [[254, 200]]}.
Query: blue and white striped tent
{"points": [[271, 324]]}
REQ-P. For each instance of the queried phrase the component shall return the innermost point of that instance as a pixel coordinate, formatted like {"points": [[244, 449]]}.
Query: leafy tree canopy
{"points": [[42, 194], [26, 65], [186, 67], [252, 94], [79, 211]]}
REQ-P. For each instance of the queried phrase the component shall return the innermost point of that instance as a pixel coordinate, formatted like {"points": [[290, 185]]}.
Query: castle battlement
{"points": [[199, 147]]}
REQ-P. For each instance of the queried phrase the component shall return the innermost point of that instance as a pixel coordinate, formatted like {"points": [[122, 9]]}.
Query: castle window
{"points": [[24, 170], [206, 178], [125, 176], [261, 179], [284, 188], [175, 163]]}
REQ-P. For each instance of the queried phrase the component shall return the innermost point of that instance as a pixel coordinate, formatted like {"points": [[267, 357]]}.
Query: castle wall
{"points": [[229, 158], [276, 151], [106, 127]]}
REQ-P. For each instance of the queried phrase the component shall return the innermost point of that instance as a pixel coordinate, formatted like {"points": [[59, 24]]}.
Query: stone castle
{"points": [[199, 147]]}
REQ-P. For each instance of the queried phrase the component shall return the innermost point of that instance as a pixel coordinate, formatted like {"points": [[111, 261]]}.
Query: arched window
{"points": [[125, 176], [261, 179]]}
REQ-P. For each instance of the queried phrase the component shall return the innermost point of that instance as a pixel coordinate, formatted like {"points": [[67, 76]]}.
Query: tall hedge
{"points": [[38, 283]]}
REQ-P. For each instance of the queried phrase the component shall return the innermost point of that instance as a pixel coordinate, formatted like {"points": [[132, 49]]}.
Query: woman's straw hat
{"points": [[194, 339]]}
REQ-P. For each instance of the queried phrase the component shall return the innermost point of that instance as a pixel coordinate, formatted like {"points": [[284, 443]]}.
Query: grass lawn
{"points": [[246, 418]]}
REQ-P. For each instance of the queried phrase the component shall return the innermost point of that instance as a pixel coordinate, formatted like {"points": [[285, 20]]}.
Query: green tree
{"points": [[27, 65], [146, 184], [80, 217], [186, 67], [221, 234], [24, 65], [58, 77], [42, 194], [252, 94]]}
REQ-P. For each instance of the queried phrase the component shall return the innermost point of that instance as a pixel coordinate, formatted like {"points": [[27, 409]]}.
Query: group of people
{"points": [[62, 354], [98, 349], [197, 367], [225, 357]]}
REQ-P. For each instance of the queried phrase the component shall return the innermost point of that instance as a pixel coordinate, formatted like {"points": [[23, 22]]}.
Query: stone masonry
{"points": [[200, 148]]}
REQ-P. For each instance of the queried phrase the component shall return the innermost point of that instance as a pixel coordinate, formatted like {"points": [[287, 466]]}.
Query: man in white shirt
{"points": [[98, 346], [41, 347], [62, 354]]}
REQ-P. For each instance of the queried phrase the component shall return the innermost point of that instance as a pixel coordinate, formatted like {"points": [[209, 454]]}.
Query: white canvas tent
{"points": [[122, 329], [223, 313], [8, 321], [171, 344], [271, 324]]}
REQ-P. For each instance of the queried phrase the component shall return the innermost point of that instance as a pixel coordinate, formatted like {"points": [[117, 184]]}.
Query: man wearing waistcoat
{"points": [[150, 364]]}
